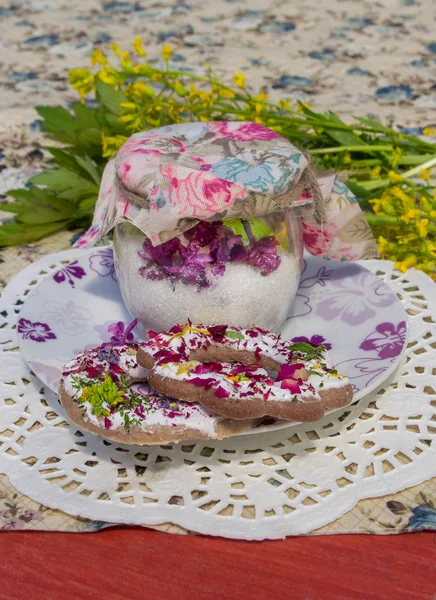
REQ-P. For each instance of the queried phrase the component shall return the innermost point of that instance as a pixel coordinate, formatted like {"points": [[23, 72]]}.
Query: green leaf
{"points": [[371, 124], [110, 98], [15, 234], [59, 122], [345, 138], [88, 204], [87, 165], [61, 180], [301, 347], [257, 226], [234, 335], [62, 157]]}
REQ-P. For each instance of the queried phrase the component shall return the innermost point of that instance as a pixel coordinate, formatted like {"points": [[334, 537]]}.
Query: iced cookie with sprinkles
{"points": [[104, 392], [227, 370]]}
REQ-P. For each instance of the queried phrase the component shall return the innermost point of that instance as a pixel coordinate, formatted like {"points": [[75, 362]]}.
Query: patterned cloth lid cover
{"points": [[166, 180]]}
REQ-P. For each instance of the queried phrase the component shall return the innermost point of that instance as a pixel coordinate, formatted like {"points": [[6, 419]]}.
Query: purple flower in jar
{"points": [[387, 340], [161, 254], [37, 331], [263, 255], [315, 340], [69, 273]]}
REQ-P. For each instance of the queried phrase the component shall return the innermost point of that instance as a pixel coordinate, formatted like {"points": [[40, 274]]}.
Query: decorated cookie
{"points": [[101, 391], [226, 369]]}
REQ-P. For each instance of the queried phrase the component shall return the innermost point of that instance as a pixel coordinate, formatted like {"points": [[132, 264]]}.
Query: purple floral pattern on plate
{"points": [[302, 304], [69, 273], [315, 340], [356, 298], [37, 331], [102, 263], [387, 340]]}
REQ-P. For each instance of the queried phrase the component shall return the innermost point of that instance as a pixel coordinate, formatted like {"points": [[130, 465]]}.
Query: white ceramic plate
{"points": [[342, 305]]}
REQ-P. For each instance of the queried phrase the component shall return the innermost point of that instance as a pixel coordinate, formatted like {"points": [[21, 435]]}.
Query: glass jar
{"points": [[237, 272]]}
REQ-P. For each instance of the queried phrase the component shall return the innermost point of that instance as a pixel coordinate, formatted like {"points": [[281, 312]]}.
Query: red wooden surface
{"points": [[133, 564]]}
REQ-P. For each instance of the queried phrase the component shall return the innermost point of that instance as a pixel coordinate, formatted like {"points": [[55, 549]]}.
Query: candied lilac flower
{"points": [[315, 340], [263, 255], [161, 254], [218, 270], [120, 334], [203, 233], [107, 423], [228, 247]]}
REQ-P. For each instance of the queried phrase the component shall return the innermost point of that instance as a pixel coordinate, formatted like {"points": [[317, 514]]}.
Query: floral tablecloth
{"points": [[372, 57]]}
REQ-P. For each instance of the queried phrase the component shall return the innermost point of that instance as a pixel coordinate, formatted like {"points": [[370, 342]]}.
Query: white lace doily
{"points": [[261, 486]]}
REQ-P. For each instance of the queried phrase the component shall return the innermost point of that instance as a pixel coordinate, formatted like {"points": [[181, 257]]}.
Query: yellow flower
{"points": [[137, 47], [396, 156], [141, 89], [347, 158], [422, 227], [410, 261], [166, 52], [180, 89], [394, 177], [425, 174], [187, 367], [82, 80], [285, 104], [115, 48], [98, 58], [125, 56], [410, 214], [239, 80], [429, 131], [110, 76], [383, 244], [228, 94], [111, 144], [397, 192], [375, 171], [262, 97], [156, 77]]}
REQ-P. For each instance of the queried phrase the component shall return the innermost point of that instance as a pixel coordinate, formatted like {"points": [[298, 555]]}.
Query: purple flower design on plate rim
{"points": [[356, 299], [69, 273], [315, 340], [36, 331], [301, 300], [387, 340], [102, 263]]}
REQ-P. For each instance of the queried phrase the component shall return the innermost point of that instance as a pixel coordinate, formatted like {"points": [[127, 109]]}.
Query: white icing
{"points": [[268, 344], [190, 416]]}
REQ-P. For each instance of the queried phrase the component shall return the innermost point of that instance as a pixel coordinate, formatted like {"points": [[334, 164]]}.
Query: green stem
{"points": [[365, 148], [425, 165], [390, 221]]}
